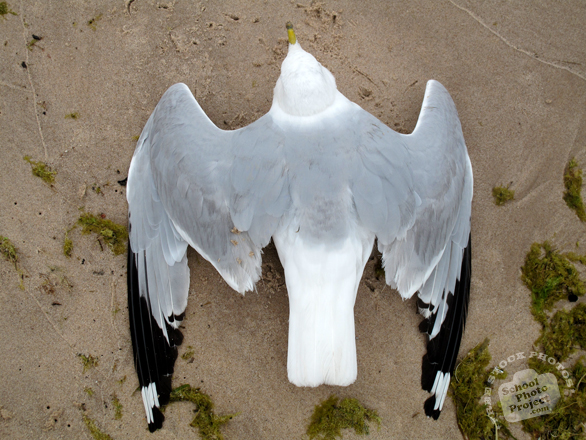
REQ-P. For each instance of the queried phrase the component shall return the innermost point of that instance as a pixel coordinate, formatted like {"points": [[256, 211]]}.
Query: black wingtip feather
{"points": [[428, 372], [442, 350], [428, 407], [154, 357], [159, 418]]}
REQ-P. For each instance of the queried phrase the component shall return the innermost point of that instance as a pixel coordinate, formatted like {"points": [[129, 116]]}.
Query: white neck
{"points": [[305, 87]]}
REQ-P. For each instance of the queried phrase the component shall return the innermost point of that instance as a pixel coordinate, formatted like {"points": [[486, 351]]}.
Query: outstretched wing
{"points": [[440, 237], [223, 193], [428, 248]]}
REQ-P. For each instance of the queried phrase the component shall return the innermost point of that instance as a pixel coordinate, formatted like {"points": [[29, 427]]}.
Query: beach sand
{"points": [[516, 71]]}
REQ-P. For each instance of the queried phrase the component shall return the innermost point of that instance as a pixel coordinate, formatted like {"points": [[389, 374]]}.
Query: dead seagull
{"points": [[322, 178]]}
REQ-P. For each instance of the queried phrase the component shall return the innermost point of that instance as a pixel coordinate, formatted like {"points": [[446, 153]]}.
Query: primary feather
{"points": [[323, 179]]}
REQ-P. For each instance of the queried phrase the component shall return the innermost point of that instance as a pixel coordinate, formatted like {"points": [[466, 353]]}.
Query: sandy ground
{"points": [[516, 70]]}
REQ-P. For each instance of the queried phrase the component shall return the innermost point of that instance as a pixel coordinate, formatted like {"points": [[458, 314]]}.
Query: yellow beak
{"points": [[291, 33]]}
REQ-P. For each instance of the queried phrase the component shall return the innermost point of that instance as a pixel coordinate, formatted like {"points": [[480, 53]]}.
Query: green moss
{"points": [[89, 391], [121, 381], [574, 257], [135, 138], [93, 22], [568, 418], [467, 387], [113, 234], [88, 361], [42, 170], [117, 407], [502, 195], [67, 245], [31, 44], [5, 9], [94, 430], [564, 333], [550, 276], [73, 115], [331, 416], [573, 184], [8, 250], [188, 354], [205, 420]]}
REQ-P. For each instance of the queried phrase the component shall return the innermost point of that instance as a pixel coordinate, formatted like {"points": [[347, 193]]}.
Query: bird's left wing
{"points": [[223, 193], [440, 240], [422, 224]]}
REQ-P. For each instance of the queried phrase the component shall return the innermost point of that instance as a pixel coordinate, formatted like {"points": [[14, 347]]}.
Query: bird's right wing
{"points": [[435, 255], [440, 239], [223, 193], [421, 217]]}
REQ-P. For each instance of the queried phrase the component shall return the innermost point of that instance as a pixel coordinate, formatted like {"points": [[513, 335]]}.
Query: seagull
{"points": [[322, 178]]}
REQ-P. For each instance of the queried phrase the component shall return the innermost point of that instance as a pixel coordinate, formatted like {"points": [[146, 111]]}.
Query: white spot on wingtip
{"points": [[426, 313], [155, 395], [440, 389], [438, 377], [445, 391], [150, 399], [147, 408]]}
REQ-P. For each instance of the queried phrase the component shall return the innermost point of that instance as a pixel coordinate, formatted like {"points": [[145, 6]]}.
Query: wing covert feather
{"points": [[422, 224], [218, 185]]}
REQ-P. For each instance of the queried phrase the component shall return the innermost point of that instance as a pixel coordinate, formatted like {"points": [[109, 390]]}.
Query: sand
{"points": [[516, 71]]}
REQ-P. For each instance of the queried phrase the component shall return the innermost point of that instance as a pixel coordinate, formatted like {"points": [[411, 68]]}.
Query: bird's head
{"points": [[305, 87]]}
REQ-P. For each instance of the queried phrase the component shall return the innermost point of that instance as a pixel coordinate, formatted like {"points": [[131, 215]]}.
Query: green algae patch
{"points": [[205, 420], [467, 387], [553, 276], [117, 407], [568, 418], [331, 416], [42, 170], [550, 276], [573, 193], [67, 246], [88, 361], [89, 391], [8, 251], [68, 243], [96, 433], [502, 195], [188, 354], [30, 45], [564, 333], [93, 22], [5, 9], [113, 234], [73, 115]]}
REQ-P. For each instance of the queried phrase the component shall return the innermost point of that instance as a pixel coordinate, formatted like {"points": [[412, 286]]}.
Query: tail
{"points": [[322, 345], [322, 281], [154, 355]]}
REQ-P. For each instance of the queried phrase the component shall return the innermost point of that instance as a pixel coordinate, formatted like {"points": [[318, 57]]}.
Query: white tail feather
{"points": [[322, 346], [322, 281]]}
